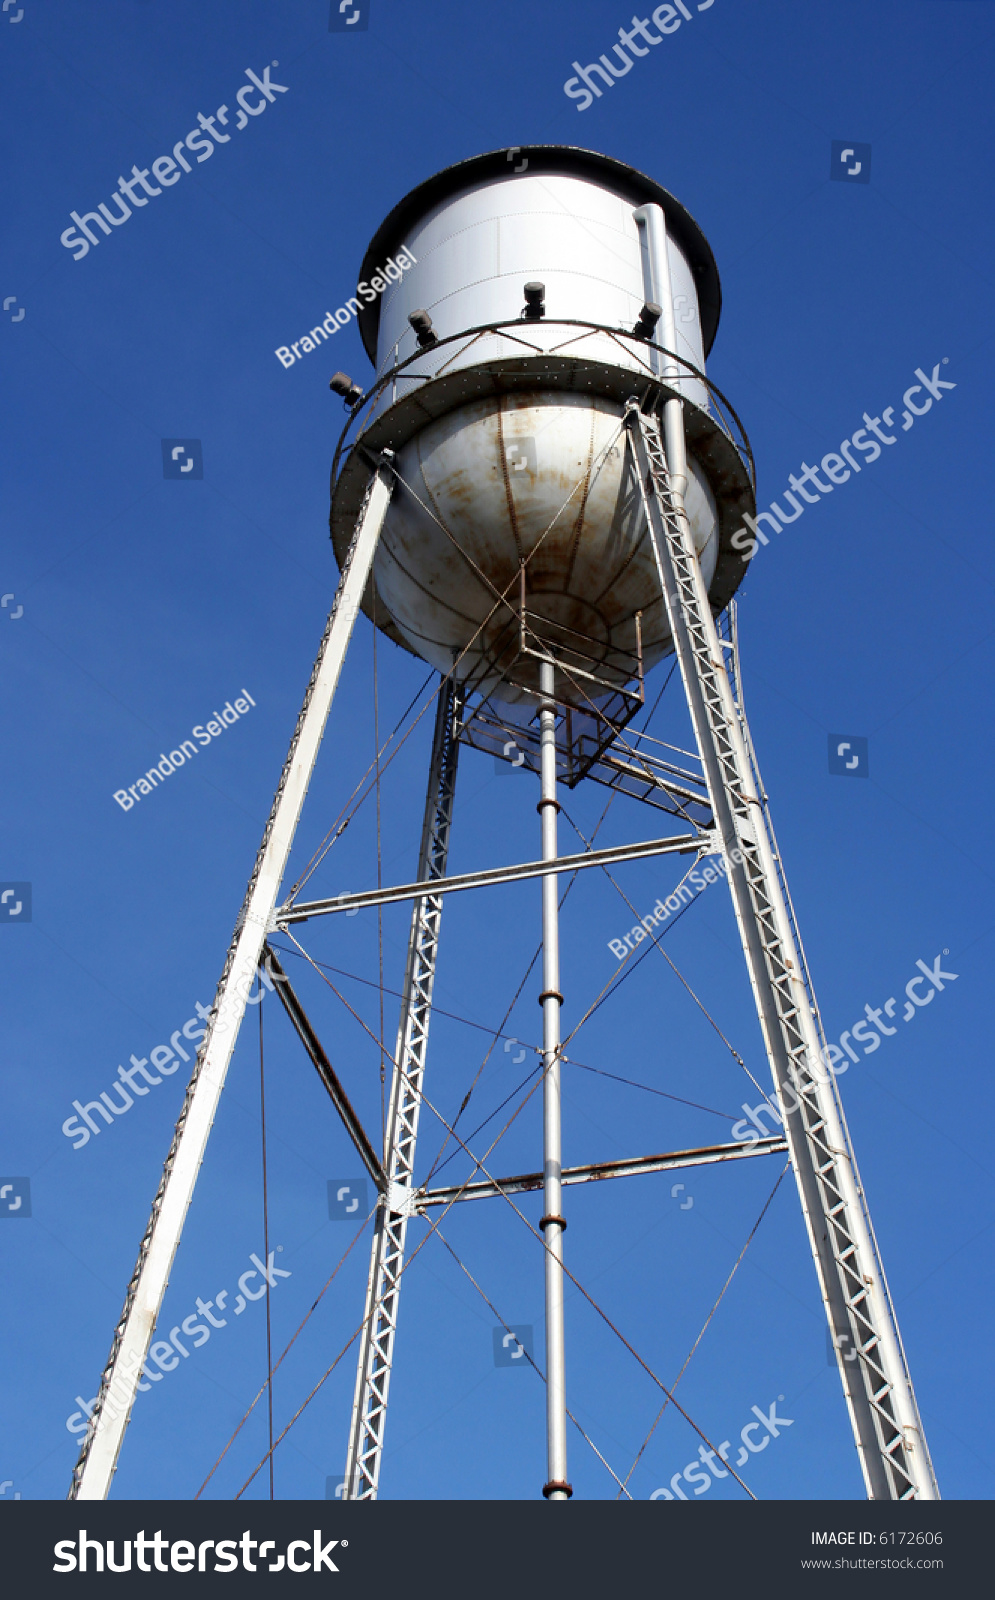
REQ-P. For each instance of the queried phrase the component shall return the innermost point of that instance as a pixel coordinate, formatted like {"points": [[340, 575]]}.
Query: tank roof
{"points": [[563, 159]]}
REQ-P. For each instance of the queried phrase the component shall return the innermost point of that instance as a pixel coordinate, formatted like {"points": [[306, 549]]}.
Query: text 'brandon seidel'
{"points": [[167, 765]]}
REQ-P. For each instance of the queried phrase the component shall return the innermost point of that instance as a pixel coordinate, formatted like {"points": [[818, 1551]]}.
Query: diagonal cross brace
{"points": [[326, 1072]]}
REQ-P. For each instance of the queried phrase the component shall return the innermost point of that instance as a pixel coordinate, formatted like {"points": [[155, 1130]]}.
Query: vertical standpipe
{"points": [[652, 224], [552, 1223]]}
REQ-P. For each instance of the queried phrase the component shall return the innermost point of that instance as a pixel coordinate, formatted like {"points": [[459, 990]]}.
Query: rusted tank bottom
{"points": [[541, 487]]}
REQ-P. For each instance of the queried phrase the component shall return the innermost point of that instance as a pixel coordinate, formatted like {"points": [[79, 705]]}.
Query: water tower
{"points": [[538, 496]]}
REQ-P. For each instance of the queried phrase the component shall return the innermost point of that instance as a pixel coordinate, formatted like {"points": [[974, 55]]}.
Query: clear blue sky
{"points": [[148, 604]]}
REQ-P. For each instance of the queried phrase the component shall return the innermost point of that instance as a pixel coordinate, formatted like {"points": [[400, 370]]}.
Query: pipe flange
{"points": [[561, 1223], [557, 1486], [550, 994]]}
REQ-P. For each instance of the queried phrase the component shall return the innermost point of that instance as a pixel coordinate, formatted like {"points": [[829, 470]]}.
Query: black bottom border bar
{"points": [[506, 1549]]}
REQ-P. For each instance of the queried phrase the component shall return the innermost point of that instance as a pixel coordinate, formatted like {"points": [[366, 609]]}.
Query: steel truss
{"points": [[883, 1411], [376, 1351], [133, 1333]]}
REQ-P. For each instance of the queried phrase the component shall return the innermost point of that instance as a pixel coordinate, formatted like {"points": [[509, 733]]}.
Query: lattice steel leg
{"points": [[133, 1334], [376, 1350], [886, 1424]]}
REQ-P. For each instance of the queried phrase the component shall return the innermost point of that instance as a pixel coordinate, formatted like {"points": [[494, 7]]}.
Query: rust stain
{"points": [[578, 526], [512, 514]]}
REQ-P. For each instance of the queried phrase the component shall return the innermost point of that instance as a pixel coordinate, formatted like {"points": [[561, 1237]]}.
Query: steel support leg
{"points": [[132, 1336], [376, 1350], [552, 1222], [886, 1424]]}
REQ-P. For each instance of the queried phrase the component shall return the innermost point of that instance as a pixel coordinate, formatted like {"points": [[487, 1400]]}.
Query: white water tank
{"points": [[510, 449]]}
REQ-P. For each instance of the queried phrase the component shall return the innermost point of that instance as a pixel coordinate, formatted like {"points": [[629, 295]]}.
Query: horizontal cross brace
{"points": [[682, 844], [632, 1168]]}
